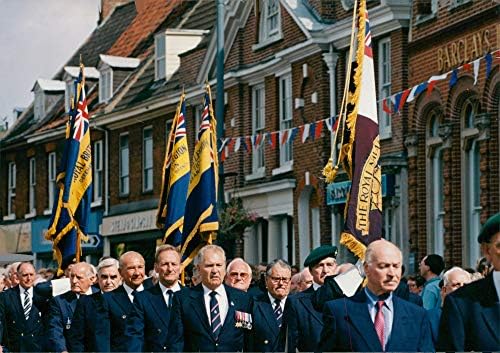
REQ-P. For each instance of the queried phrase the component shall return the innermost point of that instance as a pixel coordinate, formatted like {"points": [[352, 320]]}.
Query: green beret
{"points": [[319, 254], [490, 228]]}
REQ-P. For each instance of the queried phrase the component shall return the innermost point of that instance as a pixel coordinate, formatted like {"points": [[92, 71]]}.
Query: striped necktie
{"points": [[215, 320], [27, 305], [278, 312]]}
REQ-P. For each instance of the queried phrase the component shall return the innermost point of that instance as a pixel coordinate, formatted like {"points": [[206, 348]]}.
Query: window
{"points": [[124, 165], [160, 63], [32, 189], [471, 181], [258, 125], [270, 22], [52, 179], [147, 159], [384, 83], [285, 107], [98, 172], [106, 85], [11, 194], [69, 94], [39, 108], [435, 182]]}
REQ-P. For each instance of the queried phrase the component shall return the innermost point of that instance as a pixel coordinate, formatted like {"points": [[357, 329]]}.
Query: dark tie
{"points": [[380, 322], [215, 320], [278, 313], [134, 292], [170, 297], [27, 305]]}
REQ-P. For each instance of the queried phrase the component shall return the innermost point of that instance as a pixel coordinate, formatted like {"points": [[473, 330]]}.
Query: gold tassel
{"points": [[330, 171], [355, 246]]}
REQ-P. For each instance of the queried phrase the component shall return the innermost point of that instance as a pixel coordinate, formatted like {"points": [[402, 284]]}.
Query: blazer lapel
{"points": [[122, 300], [229, 320], [266, 309], [199, 307], [17, 301], [307, 303], [358, 317], [490, 306], [159, 306], [399, 323]]}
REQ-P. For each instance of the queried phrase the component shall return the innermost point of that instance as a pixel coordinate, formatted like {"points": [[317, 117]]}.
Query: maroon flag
{"points": [[361, 149]]}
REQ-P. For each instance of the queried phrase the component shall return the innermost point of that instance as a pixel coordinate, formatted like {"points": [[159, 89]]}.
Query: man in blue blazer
{"points": [[210, 317], [471, 315], [149, 328], [271, 310], [374, 319], [21, 311], [119, 302], [89, 330], [63, 306]]}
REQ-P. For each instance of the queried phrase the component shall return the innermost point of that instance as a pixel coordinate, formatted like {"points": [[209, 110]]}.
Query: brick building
{"points": [[452, 139], [285, 68]]}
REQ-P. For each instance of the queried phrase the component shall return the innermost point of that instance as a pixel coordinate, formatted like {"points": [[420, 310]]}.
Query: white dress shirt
{"points": [[130, 290], [21, 294], [175, 288], [496, 282], [221, 298], [273, 301]]}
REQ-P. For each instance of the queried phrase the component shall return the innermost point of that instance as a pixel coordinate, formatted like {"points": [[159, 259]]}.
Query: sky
{"points": [[36, 38]]}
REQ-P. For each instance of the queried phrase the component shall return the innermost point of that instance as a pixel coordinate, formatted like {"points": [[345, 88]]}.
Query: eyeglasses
{"points": [[280, 279], [239, 274]]}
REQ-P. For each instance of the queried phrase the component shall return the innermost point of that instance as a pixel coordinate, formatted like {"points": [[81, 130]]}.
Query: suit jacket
{"points": [[148, 330], [89, 330], [59, 321], [191, 331], [305, 323], [118, 310], [403, 291], [16, 333], [349, 327], [471, 318], [266, 335]]}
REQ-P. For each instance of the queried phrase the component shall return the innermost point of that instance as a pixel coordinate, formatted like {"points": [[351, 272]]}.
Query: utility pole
{"points": [[219, 108]]}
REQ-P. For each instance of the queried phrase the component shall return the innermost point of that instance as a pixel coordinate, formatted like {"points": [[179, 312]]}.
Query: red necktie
{"points": [[379, 323]]}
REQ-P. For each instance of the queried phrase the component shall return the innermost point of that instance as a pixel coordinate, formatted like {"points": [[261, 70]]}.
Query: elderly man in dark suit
{"points": [[21, 310], [211, 317], [471, 315], [149, 329], [90, 330], [63, 306], [305, 322], [119, 303], [271, 310], [374, 319]]}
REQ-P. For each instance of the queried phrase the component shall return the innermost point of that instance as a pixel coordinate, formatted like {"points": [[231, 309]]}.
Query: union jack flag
{"points": [[81, 123]]}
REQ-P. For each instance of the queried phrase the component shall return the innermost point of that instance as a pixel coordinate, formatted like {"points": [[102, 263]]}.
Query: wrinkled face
{"points": [[26, 275], [13, 278], [212, 269], [456, 280], [109, 278], [384, 270], [168, 267], [133, 270], [239, 276], [491, 251], [278, 282], [325, 267], [81, 278]]}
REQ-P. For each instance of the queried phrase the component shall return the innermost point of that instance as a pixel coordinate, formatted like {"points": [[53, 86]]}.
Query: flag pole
{"points": [[219, 109]]}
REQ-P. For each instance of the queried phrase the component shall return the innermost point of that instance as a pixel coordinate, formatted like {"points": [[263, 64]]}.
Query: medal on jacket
{"points": [[243, 320], [68, 324]]}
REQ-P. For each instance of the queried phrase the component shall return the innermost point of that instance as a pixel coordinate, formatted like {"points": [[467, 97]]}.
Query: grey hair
{"points": [[165, 247], [109, 262], [201, 254], [277, 262], [447, 274], [240, 260], [89, 268]]}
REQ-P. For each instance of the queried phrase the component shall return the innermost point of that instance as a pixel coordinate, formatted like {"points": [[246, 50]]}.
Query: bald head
{"points": [[132, 269], [82, 276], [382, 266]]}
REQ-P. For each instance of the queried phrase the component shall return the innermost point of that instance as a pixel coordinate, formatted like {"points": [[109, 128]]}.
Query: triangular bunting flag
{"points": [[237, 144], [489, 61], [453, 78], [476, 69], [317, 131], [312, 130], [305, 133], [273, 141], [294, 133]]}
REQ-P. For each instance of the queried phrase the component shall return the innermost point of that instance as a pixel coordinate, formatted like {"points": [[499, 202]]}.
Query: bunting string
{"points": [[391, 104]]}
